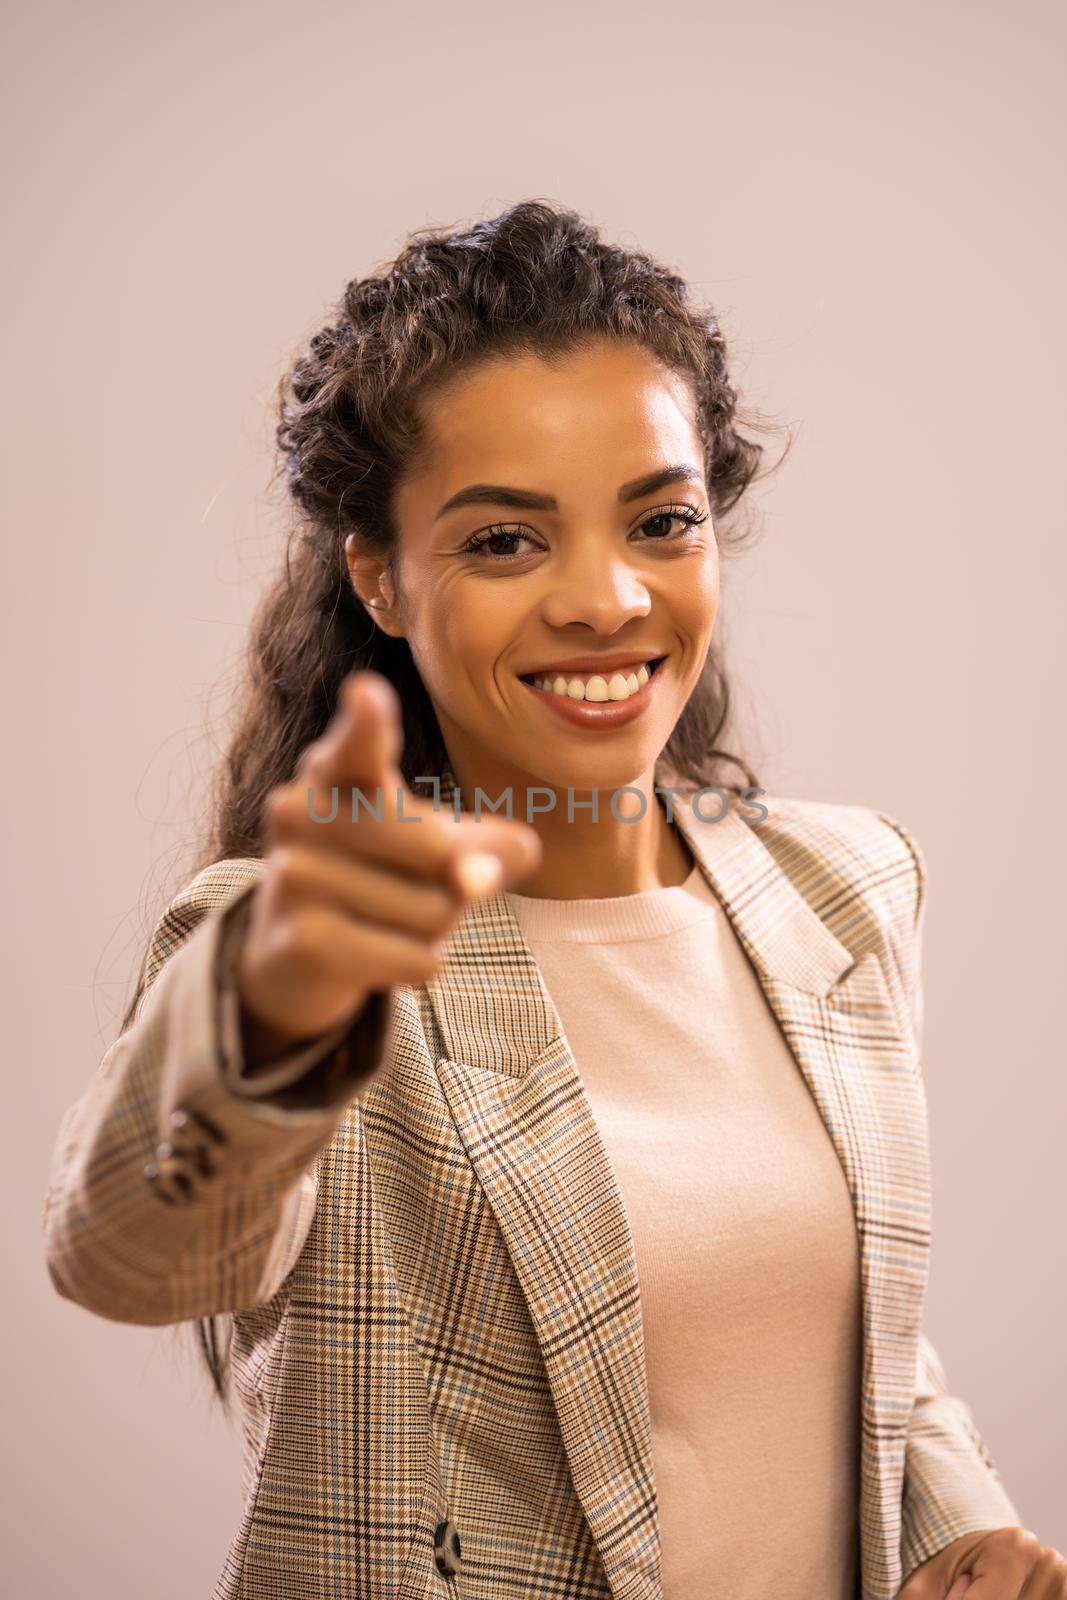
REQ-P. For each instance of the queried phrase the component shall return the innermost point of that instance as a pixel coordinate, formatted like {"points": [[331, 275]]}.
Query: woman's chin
{"points": [[581, 777]]}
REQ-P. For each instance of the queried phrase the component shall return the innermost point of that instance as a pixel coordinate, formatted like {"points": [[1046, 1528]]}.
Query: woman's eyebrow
{"points": [[499, 494]]}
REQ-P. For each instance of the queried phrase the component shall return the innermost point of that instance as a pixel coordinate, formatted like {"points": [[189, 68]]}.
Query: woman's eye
{"points": [[501, 544], [494, 538], [683, 514]]}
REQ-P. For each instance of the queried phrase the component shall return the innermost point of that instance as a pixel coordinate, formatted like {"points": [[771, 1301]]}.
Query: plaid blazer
{"points": [[436, 1315]]}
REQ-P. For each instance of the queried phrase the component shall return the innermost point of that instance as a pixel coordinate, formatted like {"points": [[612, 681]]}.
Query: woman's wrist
{"points": [[262, 1044]]}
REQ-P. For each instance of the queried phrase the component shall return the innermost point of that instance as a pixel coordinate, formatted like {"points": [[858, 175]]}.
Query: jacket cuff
{"points": [[295, 1065], [199, 1065]]}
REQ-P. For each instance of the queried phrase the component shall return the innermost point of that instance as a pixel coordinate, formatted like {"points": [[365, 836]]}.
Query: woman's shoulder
{"points": [[864, 873], [868, 837], [216, 882], [209, 888], [843, 832], [861, 868]]}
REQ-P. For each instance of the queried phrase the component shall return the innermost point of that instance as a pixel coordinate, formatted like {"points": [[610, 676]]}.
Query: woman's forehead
{"points": [[523, 414], [606, 368]]}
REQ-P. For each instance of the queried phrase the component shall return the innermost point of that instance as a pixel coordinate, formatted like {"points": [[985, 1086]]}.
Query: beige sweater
{"points": [[744, 1236]]}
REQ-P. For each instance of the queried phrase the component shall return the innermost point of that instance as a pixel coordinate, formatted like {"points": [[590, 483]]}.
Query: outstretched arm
{"points": [[137, 1236]]}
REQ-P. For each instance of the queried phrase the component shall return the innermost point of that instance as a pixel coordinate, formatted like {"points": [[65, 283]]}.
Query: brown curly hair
{"points": [[535, 279]]}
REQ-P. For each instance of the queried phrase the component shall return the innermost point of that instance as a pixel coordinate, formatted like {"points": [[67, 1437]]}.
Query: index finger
{"points": [[360, 750]]}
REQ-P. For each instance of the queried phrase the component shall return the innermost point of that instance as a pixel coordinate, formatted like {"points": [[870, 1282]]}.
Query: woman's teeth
{"points": [[620, 686]]}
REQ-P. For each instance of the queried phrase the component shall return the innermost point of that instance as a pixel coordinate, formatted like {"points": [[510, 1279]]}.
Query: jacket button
{"points": [[446, 1548], [169, 1179], [183, 1121], [154, 1178], [169, 1174]]}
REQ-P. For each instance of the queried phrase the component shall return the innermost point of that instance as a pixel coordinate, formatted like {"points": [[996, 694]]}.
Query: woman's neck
{"points": [[599, 858]]}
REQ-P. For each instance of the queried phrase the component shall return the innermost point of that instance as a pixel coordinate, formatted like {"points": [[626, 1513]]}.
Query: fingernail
{"points": [[479, 873]]}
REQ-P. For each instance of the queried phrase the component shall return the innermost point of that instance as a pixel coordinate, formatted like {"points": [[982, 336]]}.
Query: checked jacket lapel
{"points": [[522, 1113]]}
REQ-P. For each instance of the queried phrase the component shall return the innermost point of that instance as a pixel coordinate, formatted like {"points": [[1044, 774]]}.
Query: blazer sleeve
{"points": [[177, 1189], [951, 1482]]}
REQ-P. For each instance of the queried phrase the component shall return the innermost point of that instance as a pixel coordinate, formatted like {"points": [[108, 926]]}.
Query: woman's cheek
{"points": [[706, 591]]}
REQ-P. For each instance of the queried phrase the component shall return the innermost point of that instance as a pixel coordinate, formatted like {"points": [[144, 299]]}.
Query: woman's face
{"points": [[564, 554]]}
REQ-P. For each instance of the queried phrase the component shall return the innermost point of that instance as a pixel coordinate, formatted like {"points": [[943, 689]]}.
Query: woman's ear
{"points": [[373, 586]]}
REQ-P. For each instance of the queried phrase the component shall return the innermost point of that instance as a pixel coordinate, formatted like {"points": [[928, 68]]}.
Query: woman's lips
{"points": [[598, 713]]}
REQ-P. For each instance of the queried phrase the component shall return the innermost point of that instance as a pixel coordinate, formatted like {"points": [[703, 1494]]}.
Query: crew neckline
{"points": [[615, 918]]}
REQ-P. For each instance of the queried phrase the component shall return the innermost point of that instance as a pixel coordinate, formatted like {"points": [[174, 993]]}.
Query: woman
{"points": [[560, 1173]]}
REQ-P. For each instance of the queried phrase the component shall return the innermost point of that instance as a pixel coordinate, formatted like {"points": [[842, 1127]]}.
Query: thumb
{"points": [[930, 1585]]}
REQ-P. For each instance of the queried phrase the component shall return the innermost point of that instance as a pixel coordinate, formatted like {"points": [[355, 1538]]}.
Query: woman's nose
{"points": [[603, 593]]}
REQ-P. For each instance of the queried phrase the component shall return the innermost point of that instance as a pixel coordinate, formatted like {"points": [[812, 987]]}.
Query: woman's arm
{"points": [[951, 1484], [140, 1236], [319, 1074]]}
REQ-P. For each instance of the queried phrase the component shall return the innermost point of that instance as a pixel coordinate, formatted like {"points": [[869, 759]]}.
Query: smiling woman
{"points": [[570, 1241], [585, 444], [443, 390]]}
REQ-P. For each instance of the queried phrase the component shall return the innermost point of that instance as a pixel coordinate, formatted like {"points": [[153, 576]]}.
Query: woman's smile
{"points": [[596, 700]]}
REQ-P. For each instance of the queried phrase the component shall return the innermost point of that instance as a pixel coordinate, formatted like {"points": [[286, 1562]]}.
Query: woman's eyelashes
{"points": [[688, 516]]}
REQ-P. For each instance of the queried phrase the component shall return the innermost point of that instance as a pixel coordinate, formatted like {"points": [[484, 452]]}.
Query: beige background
{"points": [[872, 197]]}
